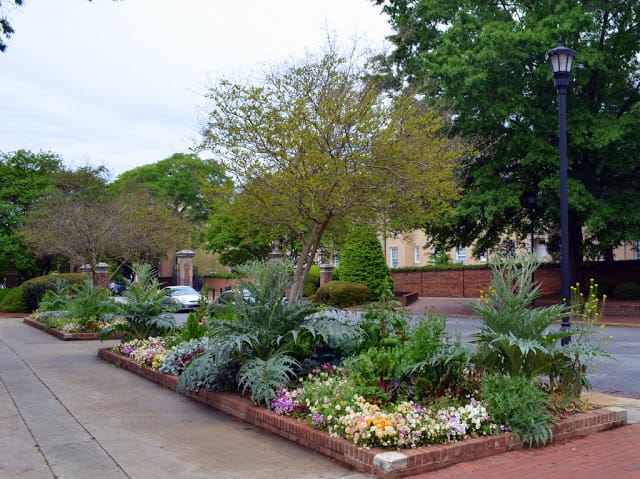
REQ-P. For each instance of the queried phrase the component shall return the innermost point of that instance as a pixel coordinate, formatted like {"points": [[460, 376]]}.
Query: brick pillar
{"points": [[102, 272], [184, 261], [326, 273]]}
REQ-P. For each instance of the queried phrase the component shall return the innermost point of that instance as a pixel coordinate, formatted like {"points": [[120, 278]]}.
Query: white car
{"points": [[184, 297]]}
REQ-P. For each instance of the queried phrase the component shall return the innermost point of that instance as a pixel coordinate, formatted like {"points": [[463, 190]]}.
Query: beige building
{"points": [[407, 250]]}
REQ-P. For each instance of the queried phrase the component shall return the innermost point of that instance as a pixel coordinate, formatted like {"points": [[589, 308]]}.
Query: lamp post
{"points": [[530, 203], [560, 60]]}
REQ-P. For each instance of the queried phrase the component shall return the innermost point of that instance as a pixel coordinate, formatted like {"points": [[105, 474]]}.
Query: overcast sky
{"points": [[121, 84]]}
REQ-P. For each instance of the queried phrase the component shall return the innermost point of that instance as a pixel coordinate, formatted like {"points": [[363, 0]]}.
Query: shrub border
{"points": [[65, 336], [383, 463]]}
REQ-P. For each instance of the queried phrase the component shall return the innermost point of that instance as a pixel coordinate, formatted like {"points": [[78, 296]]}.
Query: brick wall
{"points": [[467, 283]]}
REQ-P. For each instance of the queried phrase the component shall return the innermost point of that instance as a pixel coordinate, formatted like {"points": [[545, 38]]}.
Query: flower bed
{"points": [[66, 335], [383, 463]]}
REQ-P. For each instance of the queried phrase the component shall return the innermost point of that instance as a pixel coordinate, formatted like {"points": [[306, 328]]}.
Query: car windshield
{"points": [[183, 292]]}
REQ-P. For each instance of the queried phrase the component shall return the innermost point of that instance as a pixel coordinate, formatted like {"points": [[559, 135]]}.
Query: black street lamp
{"points": [[560, 60], [531, 203]]}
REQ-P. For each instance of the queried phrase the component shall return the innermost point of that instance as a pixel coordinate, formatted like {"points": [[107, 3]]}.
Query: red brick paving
{"points": [[609, 454]]}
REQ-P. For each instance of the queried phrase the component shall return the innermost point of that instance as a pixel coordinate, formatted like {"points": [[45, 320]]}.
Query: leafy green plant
{"points": [[195, 327], [515, 339], [89, 303], [143, 310], [515, 401], [264, 333], [56, 298], [437, 362], [35, 288], [384, 323]]}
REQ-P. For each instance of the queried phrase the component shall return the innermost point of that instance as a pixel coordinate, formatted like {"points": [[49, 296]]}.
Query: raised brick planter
{"points": [[65, 336], [383, 463]]}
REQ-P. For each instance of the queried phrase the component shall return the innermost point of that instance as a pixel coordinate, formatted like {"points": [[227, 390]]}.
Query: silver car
{"points": [[185, 298]]}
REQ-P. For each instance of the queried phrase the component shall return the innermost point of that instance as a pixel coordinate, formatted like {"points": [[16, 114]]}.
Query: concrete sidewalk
{"points": [[66, 414]]}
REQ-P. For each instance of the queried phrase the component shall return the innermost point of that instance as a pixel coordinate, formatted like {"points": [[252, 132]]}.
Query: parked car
{"points": [[232, 295], [184, 297], [116, 288]]}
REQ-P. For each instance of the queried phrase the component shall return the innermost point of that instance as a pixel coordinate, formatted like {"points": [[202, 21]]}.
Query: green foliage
{"points": [[143, 311], [422, 363], [342, 294], [36, 287], [378, 374], [264, 376], [194, 328], [362, 260], [312, 281], [385, 324], [189, 184], [626, 291], [89, 303], [438, 362], [264, 332], [56, 298], [514, 338], [235, 239], [515, 401], [316, 145], [25, 178], [13, 300], [484, 61]]}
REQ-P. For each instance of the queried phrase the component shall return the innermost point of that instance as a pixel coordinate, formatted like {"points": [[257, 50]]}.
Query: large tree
{"points": [[485, 61], [188, 183], [315, 145], [25, 178], [85, 222]]}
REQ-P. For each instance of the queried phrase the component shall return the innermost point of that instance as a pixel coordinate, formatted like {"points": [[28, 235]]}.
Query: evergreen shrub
{"points": [[362, 260], [342, 294], [12, 300]]}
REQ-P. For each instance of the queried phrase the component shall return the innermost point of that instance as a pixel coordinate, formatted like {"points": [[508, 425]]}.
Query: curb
{"points": [[382, 463], [65, 336]]}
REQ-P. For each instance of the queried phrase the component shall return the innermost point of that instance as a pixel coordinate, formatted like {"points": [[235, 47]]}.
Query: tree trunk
{"points": [[305, 260]]}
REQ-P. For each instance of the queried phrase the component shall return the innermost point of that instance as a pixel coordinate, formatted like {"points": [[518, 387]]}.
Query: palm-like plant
{"points": [[89, 303], [516, 339], [143, 310], [264, 332]]}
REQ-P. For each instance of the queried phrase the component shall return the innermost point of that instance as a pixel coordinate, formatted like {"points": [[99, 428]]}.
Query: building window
{"points": [[483, 256], [461, 255], [636, 249], [416, 254], [394, 256], [336, 259]]}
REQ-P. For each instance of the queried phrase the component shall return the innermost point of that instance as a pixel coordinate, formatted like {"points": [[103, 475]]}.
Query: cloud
{"points": [[122, 84]]}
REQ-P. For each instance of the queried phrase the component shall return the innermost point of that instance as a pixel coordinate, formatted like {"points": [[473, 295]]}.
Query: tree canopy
{"points": [[485, 62], [25, 178], [189, 184], [316, 145], [85, 222]]}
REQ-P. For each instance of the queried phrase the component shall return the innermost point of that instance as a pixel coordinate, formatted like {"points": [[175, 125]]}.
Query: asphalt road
{"points": [[621, 373]]}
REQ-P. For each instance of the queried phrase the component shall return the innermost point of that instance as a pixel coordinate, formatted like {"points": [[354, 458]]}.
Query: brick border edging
{"points": [[63, 335], [383, 463]]}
